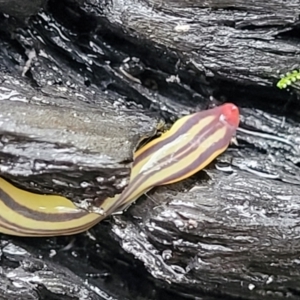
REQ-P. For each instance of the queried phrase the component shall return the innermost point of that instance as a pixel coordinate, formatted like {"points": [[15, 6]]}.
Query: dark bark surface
{"points": [[21, 10], [58, 142], [231, 231]]}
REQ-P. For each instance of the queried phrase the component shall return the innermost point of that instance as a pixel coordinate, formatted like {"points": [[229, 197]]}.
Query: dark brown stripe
{"points": [[192, 121], [195, 164], [202, 157], [37, 215], [44, 232]]}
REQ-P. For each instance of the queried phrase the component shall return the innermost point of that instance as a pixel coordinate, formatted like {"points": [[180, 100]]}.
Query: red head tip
{"points": [[230, 114]]}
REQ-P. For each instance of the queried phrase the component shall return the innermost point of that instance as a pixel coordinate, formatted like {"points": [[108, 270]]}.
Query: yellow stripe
{"points": [[177, 125], [166, 171], [193, 156], [36, 202]]}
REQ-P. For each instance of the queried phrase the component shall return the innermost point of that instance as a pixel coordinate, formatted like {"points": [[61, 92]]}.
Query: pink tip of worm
{"points": [[230, 114]]}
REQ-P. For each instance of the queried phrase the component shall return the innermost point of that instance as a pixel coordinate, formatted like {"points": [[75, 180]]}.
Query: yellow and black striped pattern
{"points": [[190, 145]]}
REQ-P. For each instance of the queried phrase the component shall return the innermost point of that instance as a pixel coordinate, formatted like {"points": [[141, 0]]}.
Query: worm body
{"points": [[28, 214], [190, 145]]}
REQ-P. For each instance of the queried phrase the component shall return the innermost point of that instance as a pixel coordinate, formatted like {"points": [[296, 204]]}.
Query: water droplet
{"points": [[167, 254], [84, 184]]}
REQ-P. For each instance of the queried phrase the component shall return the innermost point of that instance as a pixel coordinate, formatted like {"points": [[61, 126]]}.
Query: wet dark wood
{"points": [[229, 232]]}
